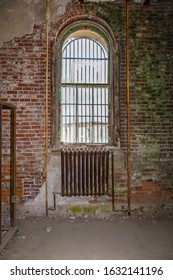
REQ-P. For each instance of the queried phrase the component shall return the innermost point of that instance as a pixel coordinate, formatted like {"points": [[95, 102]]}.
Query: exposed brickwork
{"points": [[151, 62], [22, 72]]}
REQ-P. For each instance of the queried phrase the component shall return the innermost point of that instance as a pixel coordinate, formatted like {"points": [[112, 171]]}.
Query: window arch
{"points": [[85, 87]]}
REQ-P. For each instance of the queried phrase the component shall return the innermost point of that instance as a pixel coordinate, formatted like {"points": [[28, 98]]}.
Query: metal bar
{"points": [[79, 174], [87, 173], [71, 171], [113, 191], [13, 167], [83, 172], [95, 172], [128, 108], [107, 171], [0, 171], [77, 114], [47, 104], [103, 171], [66, 170], [83, 58], [62, 172], [91, 172], [99, 173], [75, 173]]}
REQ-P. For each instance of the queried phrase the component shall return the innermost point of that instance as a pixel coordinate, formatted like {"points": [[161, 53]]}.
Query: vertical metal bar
{"points": [[97, 118], [83, 172], [62, 172], [93, 63], [99, 172], [75, 173], [67, 170], [13, 167], [70, 113], [101, 103], [105, 93], [0, 172], [103, 171], [47, 103], [77, 114], [107, 171], [93, 129], [87, 173], [81, 60], [65, 119], [71, 171], [95, 172], [97, 93], [79, 173], [128, 108], [90, 126], [113, 191], [91, 172]]}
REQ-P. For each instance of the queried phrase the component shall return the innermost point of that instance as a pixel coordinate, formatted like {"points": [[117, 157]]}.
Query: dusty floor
{"points": [[83, 238]]}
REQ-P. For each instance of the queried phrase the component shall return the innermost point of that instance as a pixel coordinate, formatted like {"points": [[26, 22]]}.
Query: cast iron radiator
{"points": [[87, 171]]}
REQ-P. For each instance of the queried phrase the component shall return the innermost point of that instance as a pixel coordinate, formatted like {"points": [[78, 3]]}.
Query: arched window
{"points": [[84, 88]]}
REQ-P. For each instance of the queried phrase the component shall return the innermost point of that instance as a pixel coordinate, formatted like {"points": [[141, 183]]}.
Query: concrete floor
{"points": [[120, 237]]}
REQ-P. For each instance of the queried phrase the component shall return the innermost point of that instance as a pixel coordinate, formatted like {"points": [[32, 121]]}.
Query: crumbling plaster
{"points": [[17, 17]]}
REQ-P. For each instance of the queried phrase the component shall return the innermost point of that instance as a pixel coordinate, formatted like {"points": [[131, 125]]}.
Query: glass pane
{"points": [[84, 98]]}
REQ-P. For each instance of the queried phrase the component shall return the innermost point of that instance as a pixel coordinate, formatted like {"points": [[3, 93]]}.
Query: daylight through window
{"points": [[84, 91]]}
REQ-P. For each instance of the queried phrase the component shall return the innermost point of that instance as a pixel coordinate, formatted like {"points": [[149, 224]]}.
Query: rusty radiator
{"points": [[87, 172]]}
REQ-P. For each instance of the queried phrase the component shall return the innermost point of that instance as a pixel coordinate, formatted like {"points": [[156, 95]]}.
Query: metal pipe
{"points": [[75, 173], [62, 172], [71, 171], [67, 171], [0, 170], [13, 169], [128, 108], [113, 190], [47, 101]]}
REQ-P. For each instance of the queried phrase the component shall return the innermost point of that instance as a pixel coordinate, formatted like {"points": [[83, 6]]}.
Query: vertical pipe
{"points": [[79, 174], [0, 170], [107, 171], [83, 172], [95, 172], [75, 172], [62, 172], [128, 107], [99, 173], [66, 171], [87, 173], [13, 168], [103, 171], [46, 100], [71, 171], [113, 191], [91, 172]]}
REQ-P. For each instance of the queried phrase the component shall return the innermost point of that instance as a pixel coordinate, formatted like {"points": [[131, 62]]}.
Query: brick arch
{"points": [[65, 27]]}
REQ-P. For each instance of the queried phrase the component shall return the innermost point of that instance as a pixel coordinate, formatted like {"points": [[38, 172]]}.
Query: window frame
{"points": [[110, 42], [89, 91]]}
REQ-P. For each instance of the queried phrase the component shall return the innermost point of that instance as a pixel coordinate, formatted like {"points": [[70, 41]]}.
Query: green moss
{"points": [[91, 209], [111, 13], [76, 209]]}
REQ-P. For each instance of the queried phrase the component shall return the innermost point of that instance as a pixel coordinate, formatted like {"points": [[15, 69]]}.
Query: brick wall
{"points": [[22, 74], [151, 60], [23, 84]]}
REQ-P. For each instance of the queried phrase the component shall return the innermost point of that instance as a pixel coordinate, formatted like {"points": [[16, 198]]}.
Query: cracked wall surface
{"points": [[17, 18]]}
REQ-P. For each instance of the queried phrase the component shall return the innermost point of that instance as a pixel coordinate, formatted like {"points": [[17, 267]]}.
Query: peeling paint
{"points": [[17, 18]]}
